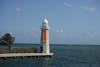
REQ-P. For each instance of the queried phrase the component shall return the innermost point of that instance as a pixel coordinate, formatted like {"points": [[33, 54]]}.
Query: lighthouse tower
{"points": [[45, 48]]}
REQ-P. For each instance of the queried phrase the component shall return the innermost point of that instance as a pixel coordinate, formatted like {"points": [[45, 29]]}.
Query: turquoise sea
{"points": [[64, 56]]}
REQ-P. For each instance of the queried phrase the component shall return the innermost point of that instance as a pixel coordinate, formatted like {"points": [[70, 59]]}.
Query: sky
{"points": [[70, 21]]}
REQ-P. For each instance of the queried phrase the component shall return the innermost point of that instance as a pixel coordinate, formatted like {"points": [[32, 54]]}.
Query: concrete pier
{"points": [[25, 55]]}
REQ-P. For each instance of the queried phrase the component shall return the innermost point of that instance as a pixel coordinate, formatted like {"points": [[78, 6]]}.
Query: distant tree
{"points": [[7, 40]]}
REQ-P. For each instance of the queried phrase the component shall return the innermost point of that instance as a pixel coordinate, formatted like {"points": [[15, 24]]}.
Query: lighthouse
{"points": [[45, 48]]}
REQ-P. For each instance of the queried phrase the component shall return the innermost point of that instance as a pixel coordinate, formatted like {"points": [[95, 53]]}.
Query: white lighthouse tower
{"points": [[45, 48]]}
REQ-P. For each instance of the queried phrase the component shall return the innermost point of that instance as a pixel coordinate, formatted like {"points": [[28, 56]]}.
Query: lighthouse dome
{"points": [[45, 21]]}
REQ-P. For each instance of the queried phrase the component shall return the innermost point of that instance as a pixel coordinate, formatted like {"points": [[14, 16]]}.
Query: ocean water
{"points": [[64, 56]]}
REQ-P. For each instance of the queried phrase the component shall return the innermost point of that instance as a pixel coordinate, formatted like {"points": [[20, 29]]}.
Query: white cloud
{"points": [[59, 30], [86, 8], [18, 9], [90, 9], [67, 4]]}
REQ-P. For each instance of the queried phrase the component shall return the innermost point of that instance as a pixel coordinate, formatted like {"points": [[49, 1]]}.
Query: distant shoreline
{"points": [[57, 44]]}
